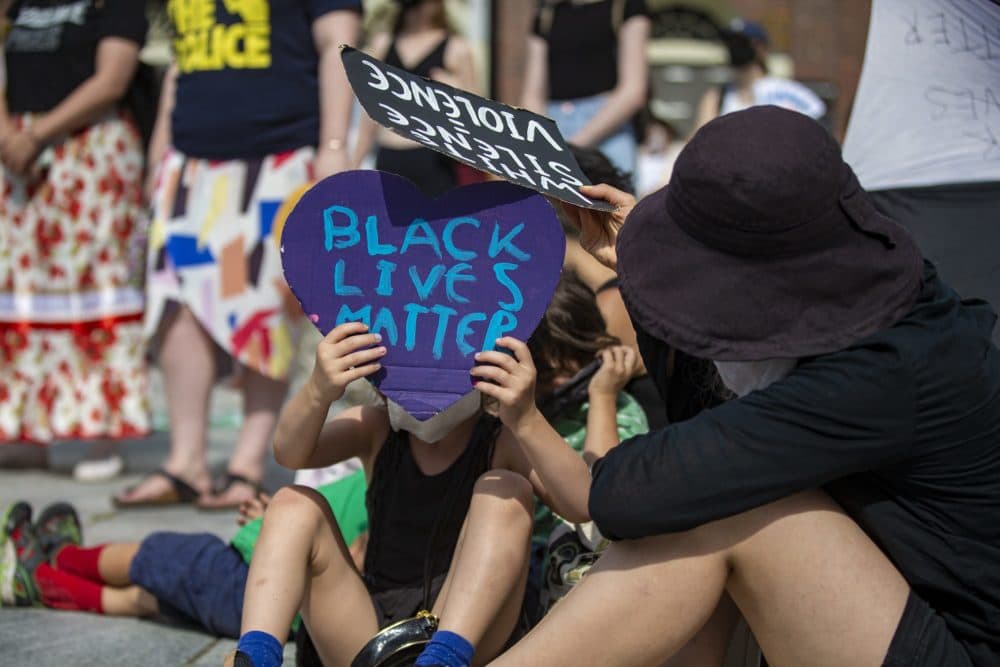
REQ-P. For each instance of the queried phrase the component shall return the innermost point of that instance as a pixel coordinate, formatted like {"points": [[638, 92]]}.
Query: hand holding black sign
{"points": [[514, 144]]}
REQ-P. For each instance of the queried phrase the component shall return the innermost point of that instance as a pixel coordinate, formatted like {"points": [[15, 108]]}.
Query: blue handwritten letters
{"points": [[438, 279], [439, 288]]}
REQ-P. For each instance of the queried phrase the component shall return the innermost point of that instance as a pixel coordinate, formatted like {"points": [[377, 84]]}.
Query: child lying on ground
{"points": [[194, 577]]}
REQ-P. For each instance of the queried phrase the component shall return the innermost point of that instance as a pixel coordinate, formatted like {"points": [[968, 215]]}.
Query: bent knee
{"points": [[513, 491], [811, 512], [298, 501]]}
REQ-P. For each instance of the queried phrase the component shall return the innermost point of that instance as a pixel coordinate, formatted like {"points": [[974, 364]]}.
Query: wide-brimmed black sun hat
{"points": [[764, 245]]}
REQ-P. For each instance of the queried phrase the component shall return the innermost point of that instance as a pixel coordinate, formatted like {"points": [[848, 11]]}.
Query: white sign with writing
{"points": [[927, 110]]}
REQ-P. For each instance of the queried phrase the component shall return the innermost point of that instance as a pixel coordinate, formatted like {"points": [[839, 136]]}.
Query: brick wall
{"points": [[825, 38]]}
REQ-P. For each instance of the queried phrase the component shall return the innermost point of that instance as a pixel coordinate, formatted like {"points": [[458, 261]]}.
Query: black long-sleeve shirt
{"points": [[902, 429]]}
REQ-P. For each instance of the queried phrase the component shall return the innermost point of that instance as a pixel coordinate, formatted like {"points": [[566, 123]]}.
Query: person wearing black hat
{"points": [[848, 500]]}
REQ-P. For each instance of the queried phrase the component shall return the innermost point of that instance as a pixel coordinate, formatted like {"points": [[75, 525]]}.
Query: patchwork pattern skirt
{"points": [[213, 248]]}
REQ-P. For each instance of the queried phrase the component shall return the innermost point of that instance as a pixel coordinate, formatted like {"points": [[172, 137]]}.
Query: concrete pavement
{"points": [[44, 638]]}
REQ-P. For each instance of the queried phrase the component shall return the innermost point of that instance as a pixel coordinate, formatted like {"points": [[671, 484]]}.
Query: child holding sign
{"points": [[464, 493]]}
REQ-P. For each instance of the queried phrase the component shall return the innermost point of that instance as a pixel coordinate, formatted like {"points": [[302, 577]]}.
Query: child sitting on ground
{"points": [[193, 577], [581, 375], [450, 513]]}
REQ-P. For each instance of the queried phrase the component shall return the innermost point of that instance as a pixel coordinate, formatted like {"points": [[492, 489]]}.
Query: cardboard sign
{"points": [[927, 110], [514, 144], [439, 279]]}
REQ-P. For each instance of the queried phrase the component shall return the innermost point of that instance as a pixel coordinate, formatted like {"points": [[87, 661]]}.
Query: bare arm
{"points": [[619, 323], [367, 128], [115, 64], [536, 76], [5, 126], [708, 108], [160, 140], [117, 60], [559, 476], [459, 66], [590, 271], [302, 438], [630, 94], [618, 365], [336, 100]]}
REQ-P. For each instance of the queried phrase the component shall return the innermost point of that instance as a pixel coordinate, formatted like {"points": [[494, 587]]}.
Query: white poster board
{"points": [[927, 110]]}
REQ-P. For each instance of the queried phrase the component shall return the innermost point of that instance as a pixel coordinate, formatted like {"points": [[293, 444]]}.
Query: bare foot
{"points": [[253, 509]]}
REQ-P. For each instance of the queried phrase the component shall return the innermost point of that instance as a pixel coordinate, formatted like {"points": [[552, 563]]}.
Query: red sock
{"points": [[62, 590], [81, 561]]}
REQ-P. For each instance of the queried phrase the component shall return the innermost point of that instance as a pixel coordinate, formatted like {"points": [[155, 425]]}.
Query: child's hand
{"points": [[619, 364], [253, 508], [342, 358], [513, 380]]}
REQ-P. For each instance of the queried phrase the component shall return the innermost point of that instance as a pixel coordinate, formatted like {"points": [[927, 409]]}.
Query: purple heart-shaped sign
{"points": [[439, 279]]}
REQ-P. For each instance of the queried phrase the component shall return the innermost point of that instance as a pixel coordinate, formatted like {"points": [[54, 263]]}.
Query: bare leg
{"points": [[187, 361], [130, 601], [301, 561], [481, 597], [114, 562], [708, 647], [813, 587], [262, 399]]}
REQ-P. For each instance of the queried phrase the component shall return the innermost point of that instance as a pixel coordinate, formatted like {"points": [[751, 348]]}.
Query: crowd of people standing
{"points": [[677, 446]]}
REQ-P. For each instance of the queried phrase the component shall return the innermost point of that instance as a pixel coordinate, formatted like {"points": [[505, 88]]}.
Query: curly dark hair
{"points": [[570, 335], [599, 169]]}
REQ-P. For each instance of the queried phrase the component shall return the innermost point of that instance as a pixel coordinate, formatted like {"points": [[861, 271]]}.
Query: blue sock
{"points": [[446, 649], [263, 649]]}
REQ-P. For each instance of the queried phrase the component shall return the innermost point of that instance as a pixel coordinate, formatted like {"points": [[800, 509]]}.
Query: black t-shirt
{"points": [[52, 46], [902, 429], [413, 517], [247, 82], [582, 40]]}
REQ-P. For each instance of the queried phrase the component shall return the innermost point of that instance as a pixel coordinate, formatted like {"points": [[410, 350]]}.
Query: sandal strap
{"points": [[227, 479], [185, 492]]}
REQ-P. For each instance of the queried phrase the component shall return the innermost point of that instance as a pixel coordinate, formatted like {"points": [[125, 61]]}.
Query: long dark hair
{"points": [[570, 335]]}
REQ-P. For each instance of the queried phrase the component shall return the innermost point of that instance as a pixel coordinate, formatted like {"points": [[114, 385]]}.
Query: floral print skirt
{"points": [[71, 300]]}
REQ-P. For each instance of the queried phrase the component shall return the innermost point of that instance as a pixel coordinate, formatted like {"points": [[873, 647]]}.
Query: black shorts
{"points": [[923, 639], [395, 604]]}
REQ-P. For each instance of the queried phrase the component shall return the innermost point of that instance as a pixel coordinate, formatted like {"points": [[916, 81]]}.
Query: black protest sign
{"points": [[514, 144]]}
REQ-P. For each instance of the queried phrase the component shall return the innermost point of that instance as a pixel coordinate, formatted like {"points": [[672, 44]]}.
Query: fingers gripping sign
{"points": [[508, 379], [599, 229], [346, 354]]}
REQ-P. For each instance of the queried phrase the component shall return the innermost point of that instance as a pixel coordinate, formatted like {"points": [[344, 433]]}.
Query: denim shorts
{"points": [[195, 577], [570, 117]]}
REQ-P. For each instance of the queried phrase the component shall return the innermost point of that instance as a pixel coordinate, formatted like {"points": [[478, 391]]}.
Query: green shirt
{"points": [[347, 500], [572, 426]]}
